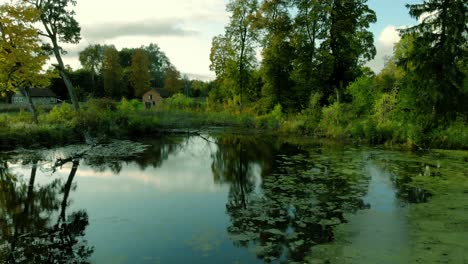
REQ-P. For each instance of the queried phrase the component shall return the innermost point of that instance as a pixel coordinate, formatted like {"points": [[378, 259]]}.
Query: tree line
{"points": [[33, 30], [313, 54]]}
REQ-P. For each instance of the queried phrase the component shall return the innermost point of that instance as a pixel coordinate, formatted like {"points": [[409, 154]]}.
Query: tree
{"points": [[311, 30], [112, 73], [158, 64], [91, 59], [440, 50], [140, 75], [172, 81], [21, 55], [59, 25], [278, 55], [242, 34], [350, 43]]}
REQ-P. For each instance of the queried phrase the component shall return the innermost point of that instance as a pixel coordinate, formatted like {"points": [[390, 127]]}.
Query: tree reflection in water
{"points": [[281, 211], [29, 233]]}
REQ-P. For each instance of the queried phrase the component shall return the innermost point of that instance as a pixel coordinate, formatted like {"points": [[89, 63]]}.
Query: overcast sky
{"points": [[184, 28]]}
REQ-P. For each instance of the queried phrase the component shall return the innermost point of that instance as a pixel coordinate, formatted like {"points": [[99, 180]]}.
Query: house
{"points": [[154, 97], [38, 96]]}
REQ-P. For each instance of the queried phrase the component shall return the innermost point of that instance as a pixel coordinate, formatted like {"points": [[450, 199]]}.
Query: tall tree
{"points": [[440, 50], [59, 25], [311, 29], [112, 73], [91, 59], [21, 54], [243, 35], [172, 81], [350, 43], [224, 64], [278, 54], [158, 64], [140, 75]]}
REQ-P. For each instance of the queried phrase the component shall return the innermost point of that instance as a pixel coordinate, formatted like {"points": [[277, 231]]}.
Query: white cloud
{"points": [[183, 29], [384, 46], [389, 36]]}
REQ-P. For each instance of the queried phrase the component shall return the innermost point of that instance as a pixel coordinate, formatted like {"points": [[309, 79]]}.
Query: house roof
{"points": [[163, 92], [39, 92]]}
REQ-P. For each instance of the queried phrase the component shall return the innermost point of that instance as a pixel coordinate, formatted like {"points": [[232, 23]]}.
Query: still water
{"points": [[208, 199]]}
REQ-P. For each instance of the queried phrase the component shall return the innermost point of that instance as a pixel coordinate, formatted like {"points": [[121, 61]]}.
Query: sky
{"points": [[184, 28]]}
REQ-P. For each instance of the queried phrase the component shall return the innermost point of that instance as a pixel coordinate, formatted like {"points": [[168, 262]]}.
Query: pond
{"points": [[221, 199]]}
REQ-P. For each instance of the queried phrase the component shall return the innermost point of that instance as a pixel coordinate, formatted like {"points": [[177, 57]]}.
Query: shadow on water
{"points": [[34, 223]]}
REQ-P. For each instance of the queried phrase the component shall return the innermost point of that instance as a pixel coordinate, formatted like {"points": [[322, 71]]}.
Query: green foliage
{"points": [[131, 106], [362, 92], [112, 73], [180, 101], [60, 114], [455, 135], [439, 44], [335, 120]]}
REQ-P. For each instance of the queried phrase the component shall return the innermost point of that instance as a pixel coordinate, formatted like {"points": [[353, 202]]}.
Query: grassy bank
{"points": [[103, 117]]}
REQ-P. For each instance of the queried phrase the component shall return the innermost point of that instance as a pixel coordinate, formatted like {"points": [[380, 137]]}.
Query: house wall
{"points": [[21, 100], [151, 99]]}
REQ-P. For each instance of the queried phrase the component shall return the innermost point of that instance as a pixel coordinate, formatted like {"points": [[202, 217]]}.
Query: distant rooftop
{"points": [[39, 92]]}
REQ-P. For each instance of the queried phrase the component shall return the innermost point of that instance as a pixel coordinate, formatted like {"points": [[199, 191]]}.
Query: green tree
{"points": [[140, 75], [112, 73], [242, 35], [158, 64], [91, 59], [172, 81], [440, 50], [59, 25], [350, 43], [21, 55], [278, 54], [311, 30]]}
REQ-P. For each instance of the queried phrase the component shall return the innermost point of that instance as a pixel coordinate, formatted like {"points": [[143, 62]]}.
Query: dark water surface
{"points": [[211, 199]]}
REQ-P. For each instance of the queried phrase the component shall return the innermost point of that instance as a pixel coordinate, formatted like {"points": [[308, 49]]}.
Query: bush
{"points": [[128, 107], [335, 120], [180, 101], [101, 104], [455, 135], [60, 114]]}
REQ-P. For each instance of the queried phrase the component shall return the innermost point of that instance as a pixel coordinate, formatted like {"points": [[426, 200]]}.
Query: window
{"points": [[150, 96]]}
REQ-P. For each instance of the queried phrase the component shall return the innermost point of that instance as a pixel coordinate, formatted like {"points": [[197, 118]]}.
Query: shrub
{"points": [[60, 114], [335, 120], [101, 104], [180, 101]]}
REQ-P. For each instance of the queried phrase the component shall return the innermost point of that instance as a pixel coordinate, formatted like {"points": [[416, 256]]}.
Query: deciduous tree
{"points": [[140, 75], [59, 25], [112, 73], [21, 56]]}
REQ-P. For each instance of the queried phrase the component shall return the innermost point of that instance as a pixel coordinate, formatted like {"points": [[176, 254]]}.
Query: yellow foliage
{"points": [[21, 55]]}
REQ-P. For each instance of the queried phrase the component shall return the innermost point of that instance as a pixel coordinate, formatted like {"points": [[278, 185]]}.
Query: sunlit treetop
{"points": [[21, 55]]}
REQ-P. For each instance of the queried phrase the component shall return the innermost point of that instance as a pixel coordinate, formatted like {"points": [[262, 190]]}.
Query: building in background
{"points": [[38, 96]]}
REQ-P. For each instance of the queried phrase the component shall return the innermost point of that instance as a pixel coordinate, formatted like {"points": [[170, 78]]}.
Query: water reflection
{"points": [[291, 202], [29, 233], [202, 200]]}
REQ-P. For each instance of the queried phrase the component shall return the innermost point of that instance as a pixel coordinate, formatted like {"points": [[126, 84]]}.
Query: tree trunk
{"points": [[32, 107], [66, 80]]}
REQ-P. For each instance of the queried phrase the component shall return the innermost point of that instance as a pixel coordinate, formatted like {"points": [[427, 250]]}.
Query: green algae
{"points": [[437, 228]]}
